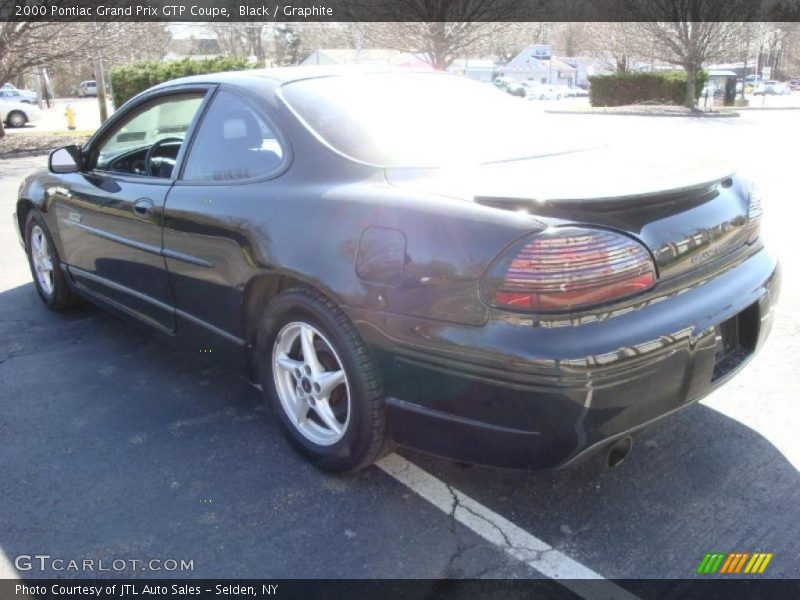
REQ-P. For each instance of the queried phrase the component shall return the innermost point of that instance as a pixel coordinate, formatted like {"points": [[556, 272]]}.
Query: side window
{"points": [[164, 122], [233, 142]]}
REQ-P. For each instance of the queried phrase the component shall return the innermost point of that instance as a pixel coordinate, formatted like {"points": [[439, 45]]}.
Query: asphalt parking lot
{"points": [[115, 445]]}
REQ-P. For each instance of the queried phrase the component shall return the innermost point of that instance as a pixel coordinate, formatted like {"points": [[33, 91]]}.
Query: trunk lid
{"points": [[687, 210]]}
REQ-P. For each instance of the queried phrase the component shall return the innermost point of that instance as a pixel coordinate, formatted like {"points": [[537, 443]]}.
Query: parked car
{"points": [[770, 88], [794, 85], [542, 91], [753, 80], [87, 88], [578, 92], [515, 88], [18, 114], [13, 94], [393, 270]]}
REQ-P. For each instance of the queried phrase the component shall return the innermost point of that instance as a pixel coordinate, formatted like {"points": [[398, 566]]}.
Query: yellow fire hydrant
{"points": [[70, 114]]}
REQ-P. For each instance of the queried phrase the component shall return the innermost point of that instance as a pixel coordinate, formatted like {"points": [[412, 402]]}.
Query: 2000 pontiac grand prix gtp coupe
{"points": [[409, 257]]}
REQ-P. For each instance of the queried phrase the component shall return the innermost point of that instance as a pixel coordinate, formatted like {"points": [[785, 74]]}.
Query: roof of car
{"points": [[281, 75]]}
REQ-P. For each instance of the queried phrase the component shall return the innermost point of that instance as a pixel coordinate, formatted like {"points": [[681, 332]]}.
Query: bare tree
{"points": [[570, 39], [514, 39], [232, 38], [615, 43], [777, 47], [690, 33], [243, 39], [440, 30], [31, 44]]}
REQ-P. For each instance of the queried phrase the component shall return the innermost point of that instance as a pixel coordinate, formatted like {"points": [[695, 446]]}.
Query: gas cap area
{"points": [[381, 255]]}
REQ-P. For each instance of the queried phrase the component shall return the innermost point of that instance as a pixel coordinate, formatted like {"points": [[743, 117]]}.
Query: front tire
{"points": [[16, 119], [321, 382], [45, 265]]}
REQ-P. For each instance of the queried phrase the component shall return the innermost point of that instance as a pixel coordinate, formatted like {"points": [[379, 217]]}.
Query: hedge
{"points": [[662, 87], [131, 79]]}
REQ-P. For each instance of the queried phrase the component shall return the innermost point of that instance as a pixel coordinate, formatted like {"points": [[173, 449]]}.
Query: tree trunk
{"points": [[2, 130], [691, 78]]}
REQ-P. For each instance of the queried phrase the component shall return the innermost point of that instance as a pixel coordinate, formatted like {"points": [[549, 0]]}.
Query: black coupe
{"points": [[410, 258]]}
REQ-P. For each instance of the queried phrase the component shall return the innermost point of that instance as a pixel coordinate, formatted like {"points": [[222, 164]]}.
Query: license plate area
{"points": [[735, 341]]}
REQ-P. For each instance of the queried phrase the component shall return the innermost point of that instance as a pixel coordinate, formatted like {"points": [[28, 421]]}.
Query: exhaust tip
{"points": [[619, 452]]}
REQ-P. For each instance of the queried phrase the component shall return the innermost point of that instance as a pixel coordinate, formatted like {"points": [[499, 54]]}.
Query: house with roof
{"points": [[480, 69], [537, 63]]}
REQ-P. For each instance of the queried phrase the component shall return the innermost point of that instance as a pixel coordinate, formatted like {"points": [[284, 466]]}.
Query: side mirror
{"points": [[66, 160]]}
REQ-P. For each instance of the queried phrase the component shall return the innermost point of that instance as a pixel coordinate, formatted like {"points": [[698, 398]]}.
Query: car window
{"points": [[233, 142], [169, 117], [418, 120]]}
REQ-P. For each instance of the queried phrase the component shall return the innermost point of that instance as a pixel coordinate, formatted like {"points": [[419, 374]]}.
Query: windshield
{"points": [[422, 119]]}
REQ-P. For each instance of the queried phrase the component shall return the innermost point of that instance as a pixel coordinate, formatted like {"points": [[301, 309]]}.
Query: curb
{"points": [[635, 113], [753, 108]]}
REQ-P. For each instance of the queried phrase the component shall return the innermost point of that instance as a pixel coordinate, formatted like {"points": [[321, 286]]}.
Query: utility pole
{"points": [[100, 78], [37, 85]]}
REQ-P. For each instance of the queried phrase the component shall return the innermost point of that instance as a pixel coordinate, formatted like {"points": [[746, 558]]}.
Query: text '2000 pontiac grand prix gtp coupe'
{"points": [[410, 258]]}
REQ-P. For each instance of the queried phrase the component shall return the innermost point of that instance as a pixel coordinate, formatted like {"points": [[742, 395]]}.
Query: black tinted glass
{"points": [[233, 142]]}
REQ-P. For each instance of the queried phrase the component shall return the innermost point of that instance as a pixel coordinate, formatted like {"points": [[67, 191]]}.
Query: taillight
{"points": [[754, 212], [569, 267]]}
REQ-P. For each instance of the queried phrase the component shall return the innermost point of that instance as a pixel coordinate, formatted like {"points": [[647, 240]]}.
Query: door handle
{"points": [[143, 208]]}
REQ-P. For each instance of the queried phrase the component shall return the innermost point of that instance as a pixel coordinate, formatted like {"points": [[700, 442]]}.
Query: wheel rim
{"points": [[42, 260], [311, 383], [17, 120]]}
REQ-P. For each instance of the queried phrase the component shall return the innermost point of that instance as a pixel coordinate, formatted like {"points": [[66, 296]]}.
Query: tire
{"points": [[358, 436], [57, 296], [16, 119]]}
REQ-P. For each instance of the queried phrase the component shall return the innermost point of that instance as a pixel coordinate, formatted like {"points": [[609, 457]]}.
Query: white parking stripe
{"points": [[7, 570], [501, 532]]}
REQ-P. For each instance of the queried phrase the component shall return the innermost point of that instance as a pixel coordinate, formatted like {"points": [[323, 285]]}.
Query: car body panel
{"points": [[404, 252], [31, 111]]}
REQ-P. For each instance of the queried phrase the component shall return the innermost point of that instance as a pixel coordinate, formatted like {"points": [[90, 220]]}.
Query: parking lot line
{"points": [[7, 571], [501, 532]]}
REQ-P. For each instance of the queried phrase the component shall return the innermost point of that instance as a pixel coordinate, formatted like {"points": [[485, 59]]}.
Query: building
{"points": [[738, 68], [587, 66], [479, 69], [538, 64], [371, 57]]}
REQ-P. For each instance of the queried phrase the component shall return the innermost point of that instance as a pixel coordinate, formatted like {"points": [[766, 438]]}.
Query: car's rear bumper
{"points": [[515, 395]]}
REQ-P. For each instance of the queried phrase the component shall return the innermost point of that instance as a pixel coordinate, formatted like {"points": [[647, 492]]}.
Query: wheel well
{"points": [[258, 293], [23, 208]]}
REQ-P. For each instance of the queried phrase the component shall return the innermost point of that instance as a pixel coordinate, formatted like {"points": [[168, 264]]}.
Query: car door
{"points": [[231, 173], [110, 214]]}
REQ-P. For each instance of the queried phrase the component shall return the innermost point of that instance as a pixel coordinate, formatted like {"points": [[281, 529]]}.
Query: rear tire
{"points": [[45, 266], [321, 382]]}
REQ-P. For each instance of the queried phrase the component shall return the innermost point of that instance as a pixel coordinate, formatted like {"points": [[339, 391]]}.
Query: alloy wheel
{"points": [[42, 260], [311, 383]]}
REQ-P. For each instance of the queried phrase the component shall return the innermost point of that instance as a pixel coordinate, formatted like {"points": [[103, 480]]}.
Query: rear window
{"points": [[422, 119]]}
